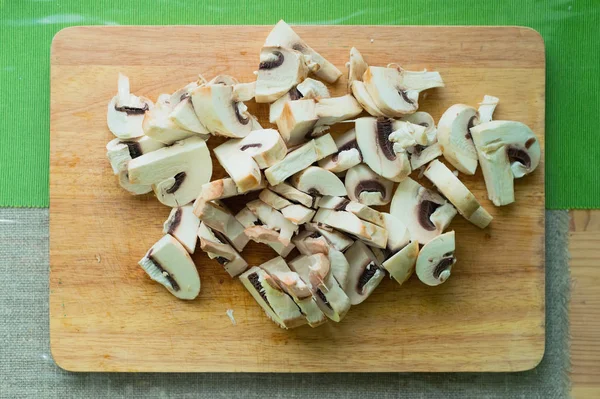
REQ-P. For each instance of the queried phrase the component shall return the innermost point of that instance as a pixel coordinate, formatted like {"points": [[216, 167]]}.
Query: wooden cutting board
{"points": [[107, 315]]}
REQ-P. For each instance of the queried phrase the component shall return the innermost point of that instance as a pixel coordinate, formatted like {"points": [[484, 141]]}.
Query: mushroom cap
{"points": [[367, 187], [283, 35], [125, 112], [169, 264], [318, 181], [425, 213], [378, 151], [360, 92], [280, 69], [436, 259], [506, 150], [219, 112], [265, 146], [401, 265], [177, 172], [364, 273], [455, 137], [183, 225], [356, 67]]}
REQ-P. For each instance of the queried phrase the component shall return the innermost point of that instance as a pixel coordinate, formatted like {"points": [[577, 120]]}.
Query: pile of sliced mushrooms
{"points": [[316, 192]]}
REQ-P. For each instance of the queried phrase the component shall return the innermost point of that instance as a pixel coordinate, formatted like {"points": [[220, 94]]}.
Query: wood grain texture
{"points": [[584, 246], [107, 315]]}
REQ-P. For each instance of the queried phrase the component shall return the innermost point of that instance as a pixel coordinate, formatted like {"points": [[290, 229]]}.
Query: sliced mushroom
{"points": [[310, 243], [358, 209], [507, 150], [120, 152], [220, 189], [317, 181], [336, 109], [396, 91], [283, 35], [382, 156], [280, 69], [291, 283], [426, 120], [244, 91], [126, 111], [398, 233], [294, 195], [328, 294], [297, 120], [184, 116], [273, 200], [159, 126], [457, 193], [298, 214], [240, 166], [455, 137], [359, 91], [347, 155], [356, 67], [366, 187], [219, 218], [336, 239], [352, 224], [436, 259], [364, 274], [249, 220], [177, 172], [277, 305], [273, 219], [425, 213], [487, 107], [401, 265], [217, 247], [219, 112], [169, 264], [224, 80], [265, 146], [183, 225], [308, 89], [420, 155], [301, 158]]}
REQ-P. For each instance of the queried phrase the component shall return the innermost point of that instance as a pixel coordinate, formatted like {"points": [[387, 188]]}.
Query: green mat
{"points": [[570, 29]]}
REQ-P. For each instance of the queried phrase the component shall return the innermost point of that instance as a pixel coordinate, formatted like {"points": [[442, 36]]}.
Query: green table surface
{"points": [[571, 30]]}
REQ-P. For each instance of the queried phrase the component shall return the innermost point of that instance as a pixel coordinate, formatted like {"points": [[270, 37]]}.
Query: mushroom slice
{"points": [[244, 171], [277, 304], [159, 126], [347, 155], [177, 172], [350, 223], [396, 91], [300, 158], [308, 89], [356, 67], [382, 155], [217, 247], [336, 109], [184, 116], [317, 181], [401, 265], [250, 221], [507, 150], [294, 195], [328, 294], [436, 259], [360, 210], [298, 214], [297, 120], [364, 274], [457, 193], [283, 35], [276, 108], [265, 146], [487, 107], [169, 264], [398, 233], [219, 112], [426, 120], [273, 219], [244, 91], [291, 283], [336, 239], [366, 187], [183, 225], [420, 155], [273, 200], [126, 111], [220, 189], [359, 91], [279, 70], [454, 136], [219, 218], [425, 213], [311, 242], [224, 80]]}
